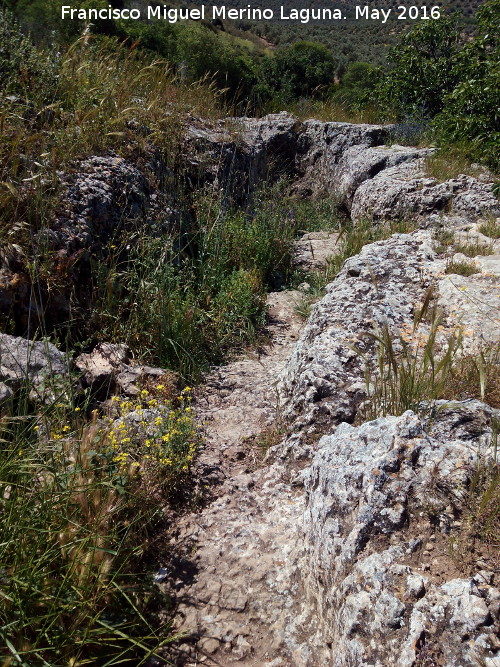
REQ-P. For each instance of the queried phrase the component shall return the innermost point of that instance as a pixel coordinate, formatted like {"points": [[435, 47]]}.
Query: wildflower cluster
{"points": [[153, 435]]}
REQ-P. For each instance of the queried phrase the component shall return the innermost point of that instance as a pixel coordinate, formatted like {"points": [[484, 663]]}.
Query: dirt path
{"points": [[235, 575]]}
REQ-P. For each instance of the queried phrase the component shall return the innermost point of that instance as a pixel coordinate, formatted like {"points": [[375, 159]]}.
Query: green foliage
{"points": [[358, 85], [423, 68], [299, 70], [456, 84], [190, 301], [24, 70], [78, 501], [79, 104], [490, 228], [411, 368], [202, 52], [462, 268], [471, 110]]}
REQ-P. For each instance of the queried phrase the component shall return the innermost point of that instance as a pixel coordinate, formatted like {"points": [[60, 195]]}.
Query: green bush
{"points": [[423, 69], [24, 70], [357, 88], [471, 111], [191, 301], [78, 503], [298, 71]]}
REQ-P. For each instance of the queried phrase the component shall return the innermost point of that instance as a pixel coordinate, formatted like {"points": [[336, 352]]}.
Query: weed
{"points": [[78, 502], [330, 110], [444, 239], [412, 368], [94, 97], [190, 301], [473, 248], [490, 228], [450, 162], [462, 268], [475, 376]]}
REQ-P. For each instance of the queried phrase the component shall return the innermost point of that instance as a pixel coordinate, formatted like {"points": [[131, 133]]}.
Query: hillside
{"points": [[352, 40], [249, 362]]}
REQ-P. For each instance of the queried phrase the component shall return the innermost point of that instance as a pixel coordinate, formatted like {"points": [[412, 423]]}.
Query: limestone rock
{"points": [[39, 364], [405, 190], [323, 381], [100, 366], [313, 249], [109, 368], [365, 485]]}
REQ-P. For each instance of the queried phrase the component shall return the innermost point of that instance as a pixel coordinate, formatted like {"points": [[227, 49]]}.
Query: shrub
{"points": [[78, 501], [358, 85], [423, 71], [462, 268], [189, 302], [298, 71], [24, 70], [471, 109]]}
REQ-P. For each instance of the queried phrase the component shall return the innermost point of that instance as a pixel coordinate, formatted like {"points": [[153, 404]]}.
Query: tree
{"points": [[471, 111], [299, 70], [423, 69], [358, 84]]}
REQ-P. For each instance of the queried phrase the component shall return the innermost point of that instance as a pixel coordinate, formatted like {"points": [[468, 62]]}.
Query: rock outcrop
{"points": [[405, 191], [346, 549], [324, 381], [109, 368], [37, 365], [352, 549], [105, 194], [378, 568]]}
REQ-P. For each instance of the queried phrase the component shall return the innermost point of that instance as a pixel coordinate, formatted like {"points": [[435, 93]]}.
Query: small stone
{"points": [[209, 645]]}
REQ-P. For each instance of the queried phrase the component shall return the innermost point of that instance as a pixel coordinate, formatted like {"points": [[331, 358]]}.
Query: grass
{"points": [[473, 248], [449, 162], [462, 268], [80, 501], [96, 96], [444, 240], [187, 302], [476, 376], [351, 241], [332, 111], [479, 534], [490, 228], [446, 243], [421, 365], [412, 368], [194, 299]]}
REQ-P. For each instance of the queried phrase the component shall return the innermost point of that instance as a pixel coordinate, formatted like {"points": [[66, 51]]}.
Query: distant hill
{"points": [[350, 40]]}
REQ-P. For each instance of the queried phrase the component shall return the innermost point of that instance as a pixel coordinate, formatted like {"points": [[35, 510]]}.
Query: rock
{"points": [[312, 250], [5, 392], [472, 303], [323, 381], [355, 476], [404, 190], [100, 367], [103, 196], [109, 368], [321, 147], [237, 154], [130, 379], [38, 365]]}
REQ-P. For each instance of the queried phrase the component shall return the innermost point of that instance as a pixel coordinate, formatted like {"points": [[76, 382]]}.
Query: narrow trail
{"points": [[234, 572]]}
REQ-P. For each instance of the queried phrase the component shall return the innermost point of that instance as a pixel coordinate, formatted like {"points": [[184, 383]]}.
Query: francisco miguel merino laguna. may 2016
{"points": [[176, 14]]}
